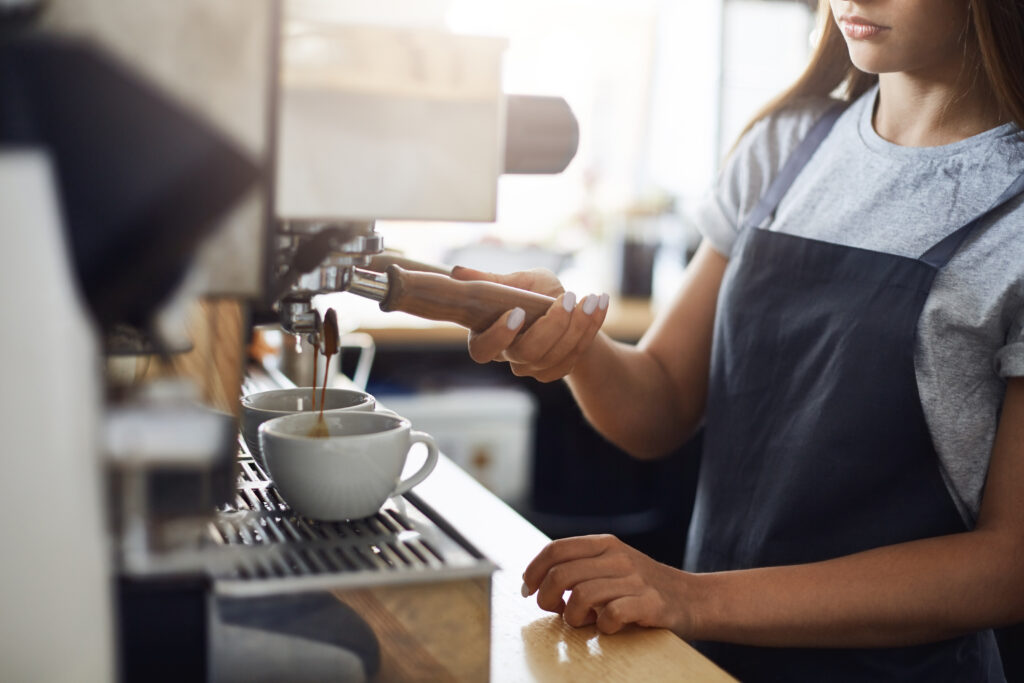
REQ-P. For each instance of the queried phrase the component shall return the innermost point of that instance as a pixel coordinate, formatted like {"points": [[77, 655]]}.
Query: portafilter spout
{"points": [[474, 304]]}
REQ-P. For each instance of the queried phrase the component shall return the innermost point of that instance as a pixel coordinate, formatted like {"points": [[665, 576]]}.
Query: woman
{"points": [[851, 336]]}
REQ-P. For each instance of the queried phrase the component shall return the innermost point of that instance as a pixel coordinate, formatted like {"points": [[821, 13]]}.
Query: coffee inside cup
{"points": [[298, 402], [300, 425]]}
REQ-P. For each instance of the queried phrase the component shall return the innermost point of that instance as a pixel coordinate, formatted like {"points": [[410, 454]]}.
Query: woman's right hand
{"points": [[550, 348]]}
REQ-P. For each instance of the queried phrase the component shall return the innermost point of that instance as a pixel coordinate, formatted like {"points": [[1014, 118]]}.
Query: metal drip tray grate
{"points": [[404, 542]]}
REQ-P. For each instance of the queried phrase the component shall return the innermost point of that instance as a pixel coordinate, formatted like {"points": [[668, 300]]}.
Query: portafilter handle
{"points": [[475, 304]]}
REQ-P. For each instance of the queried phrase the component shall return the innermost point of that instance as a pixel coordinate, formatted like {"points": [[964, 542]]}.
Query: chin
{"points": [[870, 61]]}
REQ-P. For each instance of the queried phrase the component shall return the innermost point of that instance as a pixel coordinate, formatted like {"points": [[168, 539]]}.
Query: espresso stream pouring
{"points": [[474, 304], [330, 341]]}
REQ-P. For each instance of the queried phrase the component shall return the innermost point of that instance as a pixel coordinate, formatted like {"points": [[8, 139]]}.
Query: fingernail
{"points": [[589, 304], [569, 302], [525, 590], [515, 318], [602, 302]]}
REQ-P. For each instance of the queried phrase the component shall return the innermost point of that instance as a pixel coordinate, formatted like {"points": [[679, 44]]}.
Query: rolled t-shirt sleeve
{"points": [[1010, 358], [716, 220], [719, 214], [749, 170]]}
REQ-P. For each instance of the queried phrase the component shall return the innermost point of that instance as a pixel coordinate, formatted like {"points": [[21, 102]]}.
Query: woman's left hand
{"points": [[611, 585]]}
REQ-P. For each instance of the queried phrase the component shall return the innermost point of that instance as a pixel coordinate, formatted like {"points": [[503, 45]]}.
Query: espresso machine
{"points": [[172, 174]]}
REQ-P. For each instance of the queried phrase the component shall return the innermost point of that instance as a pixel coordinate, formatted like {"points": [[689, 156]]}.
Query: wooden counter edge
{"points": [[528, 644]]}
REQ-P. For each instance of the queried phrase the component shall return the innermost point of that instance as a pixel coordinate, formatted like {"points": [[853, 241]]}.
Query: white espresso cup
{"points": [[266, 405], [348, 474]]}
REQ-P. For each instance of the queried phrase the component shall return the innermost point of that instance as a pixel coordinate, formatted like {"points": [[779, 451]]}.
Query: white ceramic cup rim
{"points": [[308, 418], [249, 401]]}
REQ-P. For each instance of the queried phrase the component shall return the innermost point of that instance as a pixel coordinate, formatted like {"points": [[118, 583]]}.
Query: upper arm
{"points": [[680, 340]]}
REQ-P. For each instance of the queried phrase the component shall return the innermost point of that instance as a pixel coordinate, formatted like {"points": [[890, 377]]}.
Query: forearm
{"points": [[628, 397], [650, 398], [898, 595]]}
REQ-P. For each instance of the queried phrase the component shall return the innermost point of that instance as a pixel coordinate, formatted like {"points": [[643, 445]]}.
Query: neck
{"points": [[927, 110]]}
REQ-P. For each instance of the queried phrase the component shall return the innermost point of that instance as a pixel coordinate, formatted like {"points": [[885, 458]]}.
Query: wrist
{"points": [[592, 365], [702, 607]]}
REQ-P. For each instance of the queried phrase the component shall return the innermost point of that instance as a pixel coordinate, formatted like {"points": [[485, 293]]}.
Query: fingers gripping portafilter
{"points": [[416, 289]]}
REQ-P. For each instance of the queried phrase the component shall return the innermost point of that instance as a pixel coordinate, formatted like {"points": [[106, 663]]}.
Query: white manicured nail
{"points": [[602, 302], [569, 302], [516, 318], [590, 303], [525, 590]]}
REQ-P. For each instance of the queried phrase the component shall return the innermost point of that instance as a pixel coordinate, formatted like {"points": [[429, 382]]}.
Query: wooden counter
{"points": [[529, 644]]}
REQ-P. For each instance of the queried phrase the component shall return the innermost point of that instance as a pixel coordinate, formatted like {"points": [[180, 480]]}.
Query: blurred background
{"points": [[661, 89]]}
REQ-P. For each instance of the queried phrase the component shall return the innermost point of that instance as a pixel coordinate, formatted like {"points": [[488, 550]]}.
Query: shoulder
{"points": [[751, 167], [773, 137]]}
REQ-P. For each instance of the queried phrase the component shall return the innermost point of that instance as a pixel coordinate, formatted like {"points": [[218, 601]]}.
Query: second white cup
{"points": [[259, 407]]}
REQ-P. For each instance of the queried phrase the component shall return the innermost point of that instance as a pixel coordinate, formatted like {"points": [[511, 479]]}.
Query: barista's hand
{"points": [[550, 348], [611, 585]]}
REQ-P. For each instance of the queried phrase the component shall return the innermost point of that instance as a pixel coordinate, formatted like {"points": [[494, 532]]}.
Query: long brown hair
{"points": [[998, 30]]}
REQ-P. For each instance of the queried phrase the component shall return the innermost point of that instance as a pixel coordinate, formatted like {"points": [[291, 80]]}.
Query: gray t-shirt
{"points": [[860, 190]]}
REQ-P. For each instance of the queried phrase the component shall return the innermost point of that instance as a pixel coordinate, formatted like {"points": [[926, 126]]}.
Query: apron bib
{"points": [[816, 444]]}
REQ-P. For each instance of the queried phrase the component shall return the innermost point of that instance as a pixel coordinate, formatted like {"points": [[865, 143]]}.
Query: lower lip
{"points": [[861, 31]]}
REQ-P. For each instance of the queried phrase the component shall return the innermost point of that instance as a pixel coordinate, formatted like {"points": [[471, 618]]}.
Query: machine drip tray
{"points": [[404, 578], [405, 542]]}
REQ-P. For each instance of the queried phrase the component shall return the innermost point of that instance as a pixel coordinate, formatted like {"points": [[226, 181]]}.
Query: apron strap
{"points": [[793, 166], [940, 254]]}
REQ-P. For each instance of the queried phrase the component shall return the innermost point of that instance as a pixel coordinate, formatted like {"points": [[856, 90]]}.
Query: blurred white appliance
{"points": [[486, 431]]}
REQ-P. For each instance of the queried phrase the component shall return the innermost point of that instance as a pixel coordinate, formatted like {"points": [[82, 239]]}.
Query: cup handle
{"points": [[428, 465]]}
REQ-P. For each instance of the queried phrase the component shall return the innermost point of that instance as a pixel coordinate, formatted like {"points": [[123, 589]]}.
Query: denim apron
{"points": [[815, 442]]}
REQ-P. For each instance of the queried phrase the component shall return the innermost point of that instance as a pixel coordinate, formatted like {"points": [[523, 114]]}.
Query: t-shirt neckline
{"points": [[876, 143]]}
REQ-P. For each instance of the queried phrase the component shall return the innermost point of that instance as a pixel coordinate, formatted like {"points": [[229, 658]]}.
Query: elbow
{"points": [[647, 453], [653, 446], [1016, 596], [1002, 556]]}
